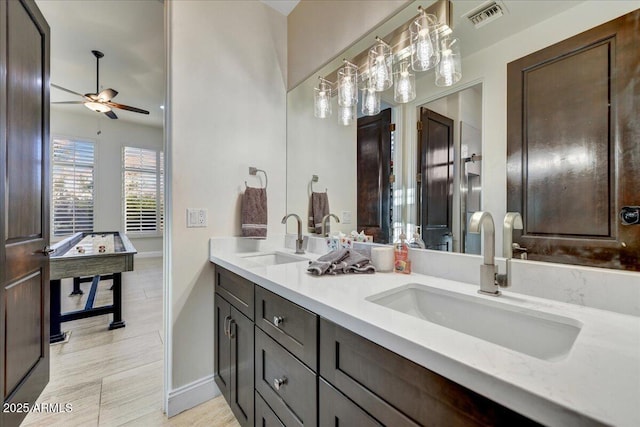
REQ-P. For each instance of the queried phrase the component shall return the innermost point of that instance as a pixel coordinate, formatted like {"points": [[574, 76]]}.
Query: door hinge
{"points": [[419, 125], [392, 127], [419, 178], [392, 178]]}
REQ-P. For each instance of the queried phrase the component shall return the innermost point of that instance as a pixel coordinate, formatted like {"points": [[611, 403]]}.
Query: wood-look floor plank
{"points": [[114, 378]]}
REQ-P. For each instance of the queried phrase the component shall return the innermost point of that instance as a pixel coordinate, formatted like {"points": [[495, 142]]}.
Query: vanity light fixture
{"points": [[405, 88], [449, 69], [381, 65], [322, 99], [424, 33], [348, 85], [370, 99], [422, 43]]}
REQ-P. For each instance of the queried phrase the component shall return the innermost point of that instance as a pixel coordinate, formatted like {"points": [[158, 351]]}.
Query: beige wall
{"points": [[114, 134], [228, 112], [318, 30]]}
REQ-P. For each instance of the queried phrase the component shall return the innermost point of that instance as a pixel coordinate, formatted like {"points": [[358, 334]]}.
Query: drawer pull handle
{"points": [[279, 382], [278, 320], [227, 325]]}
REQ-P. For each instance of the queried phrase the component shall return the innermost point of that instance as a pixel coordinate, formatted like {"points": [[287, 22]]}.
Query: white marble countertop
{"points": [[597, 382]]}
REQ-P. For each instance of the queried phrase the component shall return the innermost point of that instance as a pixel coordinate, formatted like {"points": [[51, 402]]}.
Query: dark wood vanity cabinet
{"points": [[233, 354], [292, 368], [398, 392]]}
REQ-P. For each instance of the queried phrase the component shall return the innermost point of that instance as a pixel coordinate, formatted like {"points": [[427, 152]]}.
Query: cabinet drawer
{"points": [[294, 399], [399, 392], [265, 417], [292, 326], [336, 410], [237, 290]]}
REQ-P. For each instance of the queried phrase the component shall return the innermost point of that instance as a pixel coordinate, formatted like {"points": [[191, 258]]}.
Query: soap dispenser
{"points": [[402, 264]]}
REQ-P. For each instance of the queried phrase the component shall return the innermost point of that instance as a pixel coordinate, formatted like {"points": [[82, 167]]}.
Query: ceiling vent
{"points": [[486, 13]]}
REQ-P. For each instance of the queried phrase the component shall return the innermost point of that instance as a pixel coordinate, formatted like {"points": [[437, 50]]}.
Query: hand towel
{"points": [[326, 264], [341, 261], [318, 208], [254, 213]]}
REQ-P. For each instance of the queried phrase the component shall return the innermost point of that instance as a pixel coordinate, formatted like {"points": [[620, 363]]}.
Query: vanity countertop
{"points": [[597, 382]]}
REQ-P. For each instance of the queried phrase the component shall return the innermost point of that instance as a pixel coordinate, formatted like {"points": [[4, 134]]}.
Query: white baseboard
{"points": [[150, 254], [191, 395]]}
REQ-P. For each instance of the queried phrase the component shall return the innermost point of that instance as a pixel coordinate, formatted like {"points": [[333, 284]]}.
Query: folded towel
{"points": [[254, 213], [341, 261], [318, 208]]}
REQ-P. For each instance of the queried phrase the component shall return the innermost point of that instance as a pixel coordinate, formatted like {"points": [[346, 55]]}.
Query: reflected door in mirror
{"points": [[436, 168], [374, 174], [573, 163]]}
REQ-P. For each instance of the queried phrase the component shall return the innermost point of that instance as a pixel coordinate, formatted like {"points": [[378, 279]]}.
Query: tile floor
{"points": [[114, 378]]}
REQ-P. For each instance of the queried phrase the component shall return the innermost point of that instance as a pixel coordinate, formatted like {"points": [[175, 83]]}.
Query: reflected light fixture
{"points": [[405, 88], [348, 85], [424, 41], [381, 65], [449, 69], [346, 115], [322, 99], [370, 99]]}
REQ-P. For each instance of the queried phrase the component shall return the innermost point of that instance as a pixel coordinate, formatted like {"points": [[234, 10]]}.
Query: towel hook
{"points": [[254, 171], [314, 178]]}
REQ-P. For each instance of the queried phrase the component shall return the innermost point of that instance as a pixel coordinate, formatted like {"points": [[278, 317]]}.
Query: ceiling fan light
{"points": [[97, 107]]}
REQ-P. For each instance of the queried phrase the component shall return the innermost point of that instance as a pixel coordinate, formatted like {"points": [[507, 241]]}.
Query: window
{"points": [[72, 186], [143, 190]]}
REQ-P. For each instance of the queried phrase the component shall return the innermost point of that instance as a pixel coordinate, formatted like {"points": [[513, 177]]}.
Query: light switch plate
{"points": [[196, 217], [346, 217]]}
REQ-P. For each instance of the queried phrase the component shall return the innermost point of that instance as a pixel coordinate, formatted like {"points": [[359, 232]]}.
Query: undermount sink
{"points": [[275, 258], [541, 335]]}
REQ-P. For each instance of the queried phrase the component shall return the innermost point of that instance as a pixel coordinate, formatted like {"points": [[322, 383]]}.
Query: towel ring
{"points": [[314, 178], [254, 171]]}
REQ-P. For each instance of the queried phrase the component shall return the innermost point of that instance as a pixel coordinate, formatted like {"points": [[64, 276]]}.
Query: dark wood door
{"points": [[222, 346], [573, 153], [374, 174], [436, 191], [24, 204], [242, 353]]}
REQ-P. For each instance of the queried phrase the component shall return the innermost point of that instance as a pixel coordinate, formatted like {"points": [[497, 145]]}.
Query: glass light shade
{"points": [[405, 88], [370, 101], [346, 115], [97, 107], [424, 42], [381, 66], [347, 86], [449, 69], [322, 100]]}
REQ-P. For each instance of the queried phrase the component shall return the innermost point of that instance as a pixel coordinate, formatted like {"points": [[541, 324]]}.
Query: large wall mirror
{"points": [[434, 184]]}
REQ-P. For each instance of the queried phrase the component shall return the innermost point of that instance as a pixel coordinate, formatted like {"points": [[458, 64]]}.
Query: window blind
{"points": [[143, 190], [72, 173]]}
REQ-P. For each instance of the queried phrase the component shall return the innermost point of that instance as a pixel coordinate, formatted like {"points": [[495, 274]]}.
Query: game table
{"points": [[89, 257]]}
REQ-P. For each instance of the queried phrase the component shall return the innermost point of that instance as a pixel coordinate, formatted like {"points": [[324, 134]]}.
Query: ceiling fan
{"points": [[100, 102]]}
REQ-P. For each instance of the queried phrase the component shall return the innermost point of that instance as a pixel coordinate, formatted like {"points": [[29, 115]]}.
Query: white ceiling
{"points": [[283, 6], [131, 36]]}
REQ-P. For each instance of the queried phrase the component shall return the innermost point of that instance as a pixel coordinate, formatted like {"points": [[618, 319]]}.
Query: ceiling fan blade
{"points": [[107, 95], [69, 102], [67, 90], [111, 115], [126, 107]]}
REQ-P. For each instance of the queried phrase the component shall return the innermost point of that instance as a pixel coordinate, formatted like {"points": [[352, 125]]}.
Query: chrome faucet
{"points": [[488, 270], [299, 240], [512, 221], [325, 220]]}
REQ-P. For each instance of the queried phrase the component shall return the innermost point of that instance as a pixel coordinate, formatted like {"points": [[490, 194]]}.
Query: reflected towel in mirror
{"points": [[318, 208]]}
